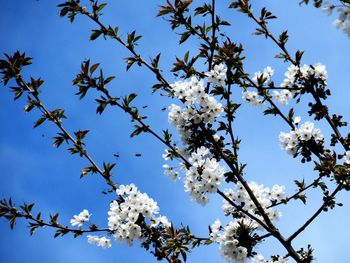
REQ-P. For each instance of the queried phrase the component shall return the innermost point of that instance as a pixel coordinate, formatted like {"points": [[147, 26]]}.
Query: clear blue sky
{"points": [[33, 171]]}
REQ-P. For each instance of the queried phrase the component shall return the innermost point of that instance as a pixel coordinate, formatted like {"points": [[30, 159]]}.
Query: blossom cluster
{"points": [[217, 75], [205, 173], [124, 214], [294, 79], [264, 195], [200, 107], [343, 20], [229, 245], [79, 220], [228, 236], [252, 96], [171, 172], [265, 76], [204, 176], [295, 73], [289, 141], [284, 96], [99, 241]]}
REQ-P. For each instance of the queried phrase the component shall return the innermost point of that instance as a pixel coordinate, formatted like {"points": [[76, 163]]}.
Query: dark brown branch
{"points": [[58, 123], [286, 200], [314, 216], [112, 34], [243, 211], [41, 223]]}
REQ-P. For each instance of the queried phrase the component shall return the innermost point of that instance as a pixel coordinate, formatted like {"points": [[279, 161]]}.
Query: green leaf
{"points": [[137, 131], [94, 67], [101, 6], [39, 121], [137, 38], [302, 198], [53, 218], [109, 79], [13, 222], [116, 30], [283, 38], [186, 56], [131, 97], [95, 34], [87, 170], [64, 11], [300, 184], [184, 36], [33, 230], [130, 61], [291, 115], [271, 111]]}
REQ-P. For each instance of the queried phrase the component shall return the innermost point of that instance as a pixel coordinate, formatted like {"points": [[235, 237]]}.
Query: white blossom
{"points": [[99, 241], [171, 172], [343, 20], [227, 236], [200, 106], [294, 75], [346, 157], [296, 120], [328, 8], [289, 140], [123, 215], [264, 195], [306, 130], [277, 192], [283, 96], [167, 154], [266, 74], [252, 97], [320, 71], [258, 259], [79, 220], [204, 176], [217, 75], [215, 230], [160, 220], [230, 248]]}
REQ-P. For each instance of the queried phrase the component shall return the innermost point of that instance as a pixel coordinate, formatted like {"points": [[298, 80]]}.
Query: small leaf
{"points": [[95, 34], [39, 121], [94, 67], [131, 97], [184, 36], [102, 6]]}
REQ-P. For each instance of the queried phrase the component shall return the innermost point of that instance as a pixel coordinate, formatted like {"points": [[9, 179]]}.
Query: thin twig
{"points": [[314, 216], [58, 123]]}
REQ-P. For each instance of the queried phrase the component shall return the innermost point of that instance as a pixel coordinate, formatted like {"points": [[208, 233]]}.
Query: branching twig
{"points": [[58, 123]]}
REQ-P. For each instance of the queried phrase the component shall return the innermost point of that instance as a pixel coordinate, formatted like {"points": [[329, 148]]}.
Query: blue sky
{"points": [[33, 171]]}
